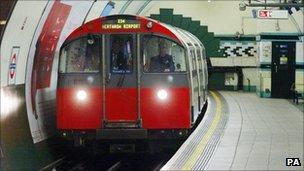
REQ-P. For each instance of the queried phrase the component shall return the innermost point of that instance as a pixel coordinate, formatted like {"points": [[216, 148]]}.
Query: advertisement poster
{"points": [[57, 22]]}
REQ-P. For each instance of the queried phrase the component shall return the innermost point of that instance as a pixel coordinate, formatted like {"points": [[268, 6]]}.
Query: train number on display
{"points": [[121, 24]]}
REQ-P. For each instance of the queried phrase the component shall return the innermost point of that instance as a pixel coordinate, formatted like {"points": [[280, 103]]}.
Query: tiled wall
{"points": [[241, 53], [238, 49], [225, 49], [264, 87], [264, 74], [255, 58]]}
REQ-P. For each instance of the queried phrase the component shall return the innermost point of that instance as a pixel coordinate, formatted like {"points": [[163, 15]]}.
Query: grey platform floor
{"points": [[259, 135], [241, 131]]}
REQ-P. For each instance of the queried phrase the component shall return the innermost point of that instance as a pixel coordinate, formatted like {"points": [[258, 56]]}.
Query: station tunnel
{"points": [[248, 57]]}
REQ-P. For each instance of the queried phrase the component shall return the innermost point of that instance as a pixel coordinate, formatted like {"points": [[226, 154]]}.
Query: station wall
{"points": [[234, 28], [21, 28], [264, 60], [29, 58], [225, 18], [221, 17], [225, 21], [17, 145]]}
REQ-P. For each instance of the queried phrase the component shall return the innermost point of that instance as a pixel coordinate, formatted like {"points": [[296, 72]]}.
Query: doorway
{"points": [[282, 69], [121, 80]]}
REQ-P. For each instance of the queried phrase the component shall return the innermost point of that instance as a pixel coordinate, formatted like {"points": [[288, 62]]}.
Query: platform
{"points": [[241, 131]]}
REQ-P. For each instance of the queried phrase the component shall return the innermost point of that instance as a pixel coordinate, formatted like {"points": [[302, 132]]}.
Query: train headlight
{"points": [[162, 94], [81, 95]]}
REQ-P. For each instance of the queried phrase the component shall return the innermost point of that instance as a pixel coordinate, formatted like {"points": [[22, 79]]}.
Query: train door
{"points": [[120, 81], [283, 69], [205, 68], [195, 78], [202, 79]]}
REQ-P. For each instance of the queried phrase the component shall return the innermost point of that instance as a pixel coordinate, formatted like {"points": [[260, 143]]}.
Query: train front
{"points": [[110, 91]]}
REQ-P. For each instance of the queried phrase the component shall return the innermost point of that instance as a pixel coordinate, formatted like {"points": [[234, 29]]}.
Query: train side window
{"points": [[199, 58], [192, 55], [122, 53], [81, 55], [162, 55]]}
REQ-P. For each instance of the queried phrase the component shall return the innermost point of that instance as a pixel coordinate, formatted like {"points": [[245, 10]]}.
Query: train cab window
{"points": [[81, 55], [122, 53], [161, 55]]}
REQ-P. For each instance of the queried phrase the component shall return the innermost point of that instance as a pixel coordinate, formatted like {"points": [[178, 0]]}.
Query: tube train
{"points": [[125, 77]]}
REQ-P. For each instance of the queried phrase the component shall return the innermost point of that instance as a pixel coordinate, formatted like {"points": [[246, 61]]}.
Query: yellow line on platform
{"points": [[202, 144]]}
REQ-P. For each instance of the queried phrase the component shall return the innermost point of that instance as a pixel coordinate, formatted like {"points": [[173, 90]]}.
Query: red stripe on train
{"points": [[121, 105]]}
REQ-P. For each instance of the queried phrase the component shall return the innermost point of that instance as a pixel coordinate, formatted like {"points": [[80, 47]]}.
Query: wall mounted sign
{"points": [[272, 14], [13, 65], [265, 52]]}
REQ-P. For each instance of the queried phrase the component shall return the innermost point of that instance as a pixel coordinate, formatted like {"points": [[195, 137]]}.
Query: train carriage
{"points": [[130, 77]]}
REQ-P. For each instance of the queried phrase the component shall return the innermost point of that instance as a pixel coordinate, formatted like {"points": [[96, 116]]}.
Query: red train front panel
{"points": [[164, 99], [79, 108]]}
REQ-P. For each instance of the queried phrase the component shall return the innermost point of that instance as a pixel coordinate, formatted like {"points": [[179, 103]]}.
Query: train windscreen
{"points": [[81, 55], [162, 55], [121, 53]]}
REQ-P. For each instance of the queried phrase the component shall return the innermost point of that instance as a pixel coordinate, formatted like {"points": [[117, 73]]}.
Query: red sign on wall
{"points": [[273, 14], [47, 43], [264, 14]]}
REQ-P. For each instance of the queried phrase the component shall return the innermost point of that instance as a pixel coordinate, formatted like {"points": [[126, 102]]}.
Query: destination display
{"points": [[121, 24]]}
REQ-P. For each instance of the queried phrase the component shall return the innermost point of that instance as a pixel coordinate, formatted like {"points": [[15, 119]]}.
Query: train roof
{"points": [[133, 24]]}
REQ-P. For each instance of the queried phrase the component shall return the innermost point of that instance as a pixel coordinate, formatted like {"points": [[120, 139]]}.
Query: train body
{"points": [[130, 77]]}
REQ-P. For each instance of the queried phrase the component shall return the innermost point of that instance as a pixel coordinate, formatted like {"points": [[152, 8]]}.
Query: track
{"points": [[80, 159], [87, 159], [116, 162]]}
